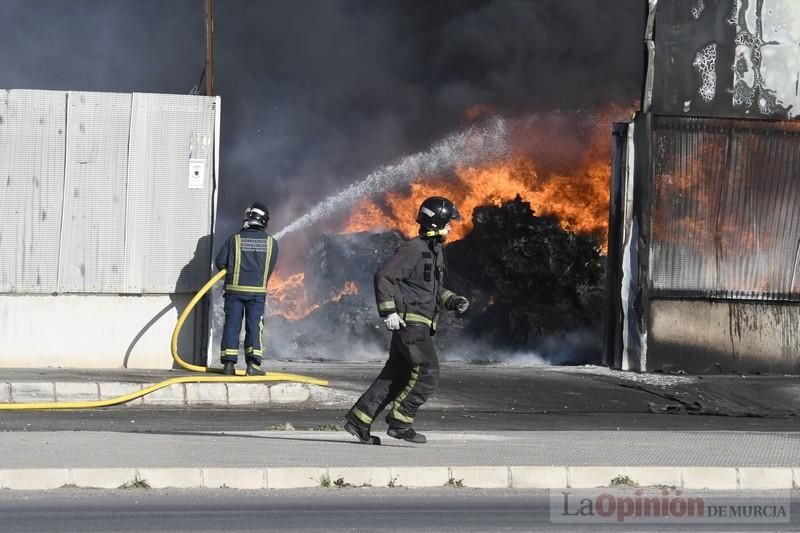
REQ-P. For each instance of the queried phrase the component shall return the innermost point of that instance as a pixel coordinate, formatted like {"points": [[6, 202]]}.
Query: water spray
{"points": [[475, 144]]}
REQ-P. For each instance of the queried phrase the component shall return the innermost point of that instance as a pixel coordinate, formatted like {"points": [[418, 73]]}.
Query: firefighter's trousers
{"points": [[407, 379], [251, 307]]}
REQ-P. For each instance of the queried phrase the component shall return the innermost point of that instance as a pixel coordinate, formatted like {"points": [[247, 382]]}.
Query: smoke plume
{"points": [[319, 92]]}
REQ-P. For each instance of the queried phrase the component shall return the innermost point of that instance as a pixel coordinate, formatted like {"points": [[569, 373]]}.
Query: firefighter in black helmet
{"points": [[410, 296], [250, 257]]}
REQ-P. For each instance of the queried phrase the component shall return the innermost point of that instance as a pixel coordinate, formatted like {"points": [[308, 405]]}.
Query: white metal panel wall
{"points": [[96, 194], [167, 245], [32, 125], [93, 233]]}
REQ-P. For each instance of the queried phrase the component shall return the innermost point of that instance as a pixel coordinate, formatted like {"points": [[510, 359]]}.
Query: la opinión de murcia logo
{"points": [[667, 505]]}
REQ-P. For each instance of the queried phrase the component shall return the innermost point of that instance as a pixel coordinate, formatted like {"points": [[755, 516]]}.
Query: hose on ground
{"points": [[238, 378]]}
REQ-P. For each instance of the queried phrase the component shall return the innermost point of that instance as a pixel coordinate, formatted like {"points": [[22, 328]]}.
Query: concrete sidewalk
{"points": [[287, 459], [517, 459]]}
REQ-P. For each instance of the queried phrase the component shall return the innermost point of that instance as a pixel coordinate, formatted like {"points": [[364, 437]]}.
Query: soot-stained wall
{"points": [[726, 58]]}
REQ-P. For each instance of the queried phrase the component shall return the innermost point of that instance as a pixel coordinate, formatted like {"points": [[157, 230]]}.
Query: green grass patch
{"points": [[136, 483], [623, 481], [452, 482]]}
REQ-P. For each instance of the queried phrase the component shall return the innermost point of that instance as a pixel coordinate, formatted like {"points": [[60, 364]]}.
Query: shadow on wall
{"points": [[191, 344]]}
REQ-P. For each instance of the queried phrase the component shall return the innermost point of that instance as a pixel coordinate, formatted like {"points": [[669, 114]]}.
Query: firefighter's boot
{"points": [[253, 369], [361, 433], [407, 434], [228, 369]]}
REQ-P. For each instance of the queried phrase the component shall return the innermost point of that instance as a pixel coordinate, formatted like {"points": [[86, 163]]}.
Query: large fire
{"points": [[578, 198], [579, 201]]}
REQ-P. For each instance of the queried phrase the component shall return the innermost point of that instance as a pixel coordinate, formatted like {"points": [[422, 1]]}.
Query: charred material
{"points": [[532, 280], [336, 259]]}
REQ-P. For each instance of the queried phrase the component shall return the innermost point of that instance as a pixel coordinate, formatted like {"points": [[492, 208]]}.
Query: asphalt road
{"points": [[147, 419], [468, 398], [331, 509]]}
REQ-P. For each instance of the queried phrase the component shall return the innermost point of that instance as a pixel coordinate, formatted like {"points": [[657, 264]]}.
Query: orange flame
{"points": [[350, 287], [579, 200], [288, 298]]}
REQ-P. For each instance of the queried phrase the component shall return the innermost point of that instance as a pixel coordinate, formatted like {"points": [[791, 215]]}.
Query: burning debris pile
{"points": [[530, 281]]}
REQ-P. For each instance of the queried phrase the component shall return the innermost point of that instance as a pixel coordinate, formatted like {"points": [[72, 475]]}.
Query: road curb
{"points": [[484, 477], [175, 395]]}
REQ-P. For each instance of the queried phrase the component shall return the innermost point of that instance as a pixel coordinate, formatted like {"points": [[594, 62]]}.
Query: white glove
{"points": [[394, 322], [461, 304]]}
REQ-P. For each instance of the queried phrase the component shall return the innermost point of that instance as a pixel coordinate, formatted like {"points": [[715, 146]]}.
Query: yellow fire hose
{"points": [[238, 378]]}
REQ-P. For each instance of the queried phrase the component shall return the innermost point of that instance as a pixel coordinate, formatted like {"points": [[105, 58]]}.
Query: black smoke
{"points": [[316, 93]]}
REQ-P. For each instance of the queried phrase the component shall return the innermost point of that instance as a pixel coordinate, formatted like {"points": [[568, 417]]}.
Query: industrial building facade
{"points": [[106, 217], [704, 246]]}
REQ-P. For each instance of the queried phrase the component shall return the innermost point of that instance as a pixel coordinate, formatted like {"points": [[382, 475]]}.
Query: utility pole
{"points": [[209, 67]]}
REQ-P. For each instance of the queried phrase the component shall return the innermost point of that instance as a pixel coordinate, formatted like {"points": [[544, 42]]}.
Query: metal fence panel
{"points": [[32, 126], [726, 220], [93, 235], [105, 193], [169, 197]]}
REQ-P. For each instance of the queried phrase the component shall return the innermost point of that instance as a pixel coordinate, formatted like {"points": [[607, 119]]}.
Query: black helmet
{"points": [[256, 216], [434, 215]]}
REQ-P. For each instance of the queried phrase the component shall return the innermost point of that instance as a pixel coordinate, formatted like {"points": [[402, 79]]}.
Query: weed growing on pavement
{"points": [[452, 482], [393, 482], [342, 484], [327, 427], [136, 483], [623, 481], [325, 481]]}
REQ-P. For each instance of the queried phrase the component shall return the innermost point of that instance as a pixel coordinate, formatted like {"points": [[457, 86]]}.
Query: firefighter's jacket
{"points": [[410, 283], [250, 257]]}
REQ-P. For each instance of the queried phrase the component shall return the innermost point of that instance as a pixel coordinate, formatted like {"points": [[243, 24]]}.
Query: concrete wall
{"points": [[723, 336], [94, 331]]}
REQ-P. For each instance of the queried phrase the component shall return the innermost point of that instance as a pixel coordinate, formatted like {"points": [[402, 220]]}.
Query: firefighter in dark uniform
{"points": [[249, 256], [410, 296]]}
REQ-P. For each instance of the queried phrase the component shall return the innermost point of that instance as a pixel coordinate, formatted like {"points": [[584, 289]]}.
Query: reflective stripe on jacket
{"points": [[250, 257], [410, 283]]}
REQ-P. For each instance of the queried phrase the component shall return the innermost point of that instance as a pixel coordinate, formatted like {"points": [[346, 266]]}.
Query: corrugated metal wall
{"points": [[726, 220], [97, 196]]}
